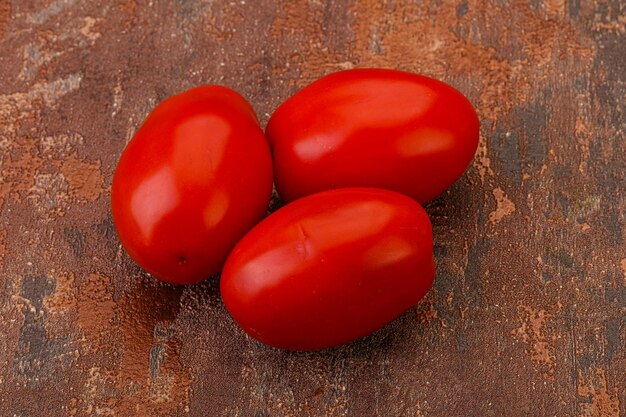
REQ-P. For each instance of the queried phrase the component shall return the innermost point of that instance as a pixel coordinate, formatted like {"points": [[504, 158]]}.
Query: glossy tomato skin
{"points": [[330, 268], [192, 181], [374, 128]]}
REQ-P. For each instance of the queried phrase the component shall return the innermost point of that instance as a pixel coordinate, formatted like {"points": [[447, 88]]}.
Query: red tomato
{"points": [[374, 128], [192, 181], [330, 268]]}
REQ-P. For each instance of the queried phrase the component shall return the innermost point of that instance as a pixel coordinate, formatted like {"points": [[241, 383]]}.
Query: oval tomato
{"points": [[193, 180], [374, 128], [330, 268]]}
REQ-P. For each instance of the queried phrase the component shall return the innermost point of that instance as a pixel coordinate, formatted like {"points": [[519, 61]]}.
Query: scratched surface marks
{"points": [[527, 315]]}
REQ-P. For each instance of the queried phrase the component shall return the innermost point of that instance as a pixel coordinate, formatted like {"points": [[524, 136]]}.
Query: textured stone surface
{"points": [[527, 316]]}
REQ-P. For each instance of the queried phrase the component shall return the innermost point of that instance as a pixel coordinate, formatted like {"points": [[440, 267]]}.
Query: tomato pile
{"points": [[354, 155]]}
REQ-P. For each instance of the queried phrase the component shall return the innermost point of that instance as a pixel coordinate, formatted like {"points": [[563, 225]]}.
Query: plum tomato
{"points": [[330, 268], [193, 180], [372, 128]]}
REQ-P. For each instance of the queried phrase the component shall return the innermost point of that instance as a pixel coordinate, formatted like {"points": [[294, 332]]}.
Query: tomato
{"points": [[192, 181], [375, 128], [330, 268]]}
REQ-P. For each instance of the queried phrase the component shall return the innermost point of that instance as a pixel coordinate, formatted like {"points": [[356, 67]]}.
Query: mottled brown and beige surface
{"points": [[527, 315]]}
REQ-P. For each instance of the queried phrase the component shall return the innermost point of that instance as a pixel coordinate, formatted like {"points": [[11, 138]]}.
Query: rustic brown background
{"points": [[527, 316]]}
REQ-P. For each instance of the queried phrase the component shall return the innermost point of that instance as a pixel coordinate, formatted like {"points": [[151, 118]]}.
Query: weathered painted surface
{"points": [[527, 316]]}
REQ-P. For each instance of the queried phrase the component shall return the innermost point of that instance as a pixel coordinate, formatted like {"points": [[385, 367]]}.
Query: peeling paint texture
{"points": [[527, 316]]}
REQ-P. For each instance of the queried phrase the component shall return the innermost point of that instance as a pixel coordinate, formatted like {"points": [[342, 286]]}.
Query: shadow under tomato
{"points": [[458, 207]]}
